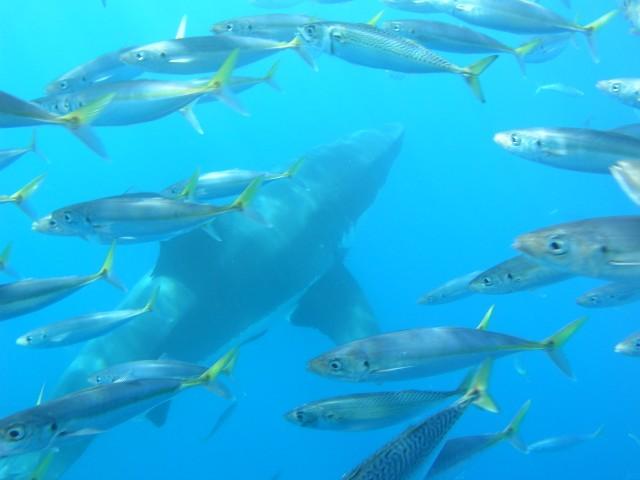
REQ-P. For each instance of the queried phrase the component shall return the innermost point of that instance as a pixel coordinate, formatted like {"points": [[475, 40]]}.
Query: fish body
{"points": [[142, 369], [9, 156], [578, 149], [611, 295], [366, 411], [417, 6], [625, 90], [275, 26], [197, 55], [565, 442], [631, 10], [30, 295], [515, 275], [630, 346], [565, 89], [105, 68], [423, 352], [79, 329], [607, 247], [451, 291], [549, 47]]}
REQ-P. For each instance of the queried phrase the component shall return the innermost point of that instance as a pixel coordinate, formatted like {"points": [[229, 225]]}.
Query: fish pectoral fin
{"points": [[84, 432], [182, 60], [158, 415]]}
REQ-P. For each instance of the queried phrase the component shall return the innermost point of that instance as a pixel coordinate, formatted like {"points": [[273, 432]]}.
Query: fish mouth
{"points": [[22, 341], [502, 139], [40, 225], [618, 348], [602, 85]]}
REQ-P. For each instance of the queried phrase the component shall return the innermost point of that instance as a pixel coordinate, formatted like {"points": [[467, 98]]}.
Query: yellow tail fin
{"points": [[212, 372], [153, 299], [473, 72], [86, 115], [21, 197], [478, 390], [247, 196], [512, 432], [106, 270], [554, 344]]}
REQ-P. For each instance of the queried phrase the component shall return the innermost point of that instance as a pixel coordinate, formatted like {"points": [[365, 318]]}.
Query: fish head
{"points": [[25, 432], [531, 144], [400, 27], [496, 280], [349, 363], [66, 222], [235, 27], [591, 300], [63, 85], [303, 416], [148, 54], [102, 378], [569, 247], [32, 339], [317, 34], [629, 346], [620, 88]]}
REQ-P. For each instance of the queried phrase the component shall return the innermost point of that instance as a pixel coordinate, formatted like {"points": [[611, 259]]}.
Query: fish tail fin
{"points": [[478, 389], [592, 28], [554, 344], [91, 140], [246, 197], [523, 50], [189, 190], [597, 433], [213, 372], [21, 197], [230, 366], [466, 383], [269, 78], [472, 75], [294, 168], [512, 432], [484, 323], [106, 270], [297, 46], [153, 299], [189, 114], [33, 146], [5, 257], [86, 115], [219, 83]]}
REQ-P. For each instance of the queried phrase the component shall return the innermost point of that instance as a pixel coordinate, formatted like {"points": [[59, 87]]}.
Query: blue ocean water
{"points": [[453, 203]]}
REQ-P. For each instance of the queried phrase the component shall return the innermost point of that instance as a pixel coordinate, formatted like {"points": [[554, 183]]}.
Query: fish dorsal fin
{"points": [[373, 22], [182, 28], [484, 323]]}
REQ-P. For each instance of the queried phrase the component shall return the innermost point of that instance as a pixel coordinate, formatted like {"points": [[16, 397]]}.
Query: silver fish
{"points": [[26, 296], [610, 295], [196, 55], [417, 6], [565, 89], [81, 329], [459, 450], [578, 149], [89, 412], [631, 9], [451, 291], [454, 38], [627, 174], [515, 275], [137, 218], [403, 457], [9, 156], [549, 47], [630, 346], [626, 90], [364, 44], [424, 352], [369, 411], [274, 26], [557, 444], [226, 183], [607, 247]]}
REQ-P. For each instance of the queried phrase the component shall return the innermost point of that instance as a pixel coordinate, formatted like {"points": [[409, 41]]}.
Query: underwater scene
{"points": [[319, 239]]}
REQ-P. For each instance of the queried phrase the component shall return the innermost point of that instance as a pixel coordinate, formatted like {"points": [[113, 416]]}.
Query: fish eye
{"points": [[16, 433], [249, 27], [396, 27], [366, 364], [68, 217], [54, 427], [335, 365], [557, 246], [310, 30], [140, 56], [299, 416], [538, 143], [516, 141], [52, 223], [229, 27], [487, 281], [163, 54], [63, 85], [637, 344], [99, 379], [615, 87], [29, 338]]}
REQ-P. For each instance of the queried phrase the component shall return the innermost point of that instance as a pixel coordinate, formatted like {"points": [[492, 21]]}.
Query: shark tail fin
{"points": [[472, 75], [478, 389], [523, 50], [592, 28], [554, 344], [512, 432]]}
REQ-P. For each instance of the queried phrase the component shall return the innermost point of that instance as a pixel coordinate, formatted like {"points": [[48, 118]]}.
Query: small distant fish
{"points": [[226, 183], [424, 352], [607, 247], [625, 90], [515, 275], [139, 218], [222, 419], [402, 457], [566, 442], [459, 450], [451, 291], [21, 197], [7, 157], [26, 296], [369, 411], [275, 26], [90, 411], [364, 44], [611, 295], [80, 329], [631, 9], [630, 346], [581, 149], [561, 88]]}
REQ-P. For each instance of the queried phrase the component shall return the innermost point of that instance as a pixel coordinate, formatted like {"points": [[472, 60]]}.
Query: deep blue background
{"points": [[453, 203]]}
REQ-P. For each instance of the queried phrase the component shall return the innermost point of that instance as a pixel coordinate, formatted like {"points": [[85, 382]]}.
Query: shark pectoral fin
{"points": [[158, 415], [336, 306]]}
